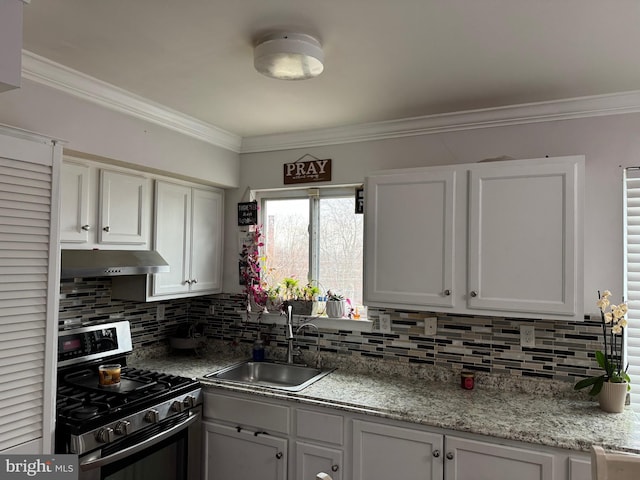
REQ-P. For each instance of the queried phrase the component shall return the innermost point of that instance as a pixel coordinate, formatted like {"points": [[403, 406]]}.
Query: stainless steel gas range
{"points": [[140, 424]]}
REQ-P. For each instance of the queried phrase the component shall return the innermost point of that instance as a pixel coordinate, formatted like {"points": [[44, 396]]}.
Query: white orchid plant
{"points": [[613, 325]]}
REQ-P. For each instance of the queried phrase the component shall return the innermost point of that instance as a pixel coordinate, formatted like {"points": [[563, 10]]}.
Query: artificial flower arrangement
{"points": [[251, 270], [613, 325]]}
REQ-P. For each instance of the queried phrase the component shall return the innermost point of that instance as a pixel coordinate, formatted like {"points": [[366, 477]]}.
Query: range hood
{"points": [[100, 263]]}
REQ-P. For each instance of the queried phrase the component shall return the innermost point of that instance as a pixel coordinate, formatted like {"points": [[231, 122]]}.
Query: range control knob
{"points": [[123, 427], [189, 401], [177, 406], [152, 416], [104, 435]]}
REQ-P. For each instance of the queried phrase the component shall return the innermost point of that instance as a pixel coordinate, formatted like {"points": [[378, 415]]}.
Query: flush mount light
{"points": [[289, 56]]}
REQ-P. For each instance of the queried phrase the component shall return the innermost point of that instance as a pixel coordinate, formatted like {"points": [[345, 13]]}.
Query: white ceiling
{"points": [[384, 59]]}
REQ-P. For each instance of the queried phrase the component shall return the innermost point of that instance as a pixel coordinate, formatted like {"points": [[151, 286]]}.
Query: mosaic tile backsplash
{"points": [[564, 350]]}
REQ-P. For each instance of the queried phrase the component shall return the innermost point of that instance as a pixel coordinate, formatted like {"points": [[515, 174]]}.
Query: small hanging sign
{"points": [[247, 213], [310, 171], [360, 200]]}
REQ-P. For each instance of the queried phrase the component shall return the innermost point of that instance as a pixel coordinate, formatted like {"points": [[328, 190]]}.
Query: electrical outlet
{"points": [[212, 309], [430, 326], [527, 336], [160, 312], [385, 323]]}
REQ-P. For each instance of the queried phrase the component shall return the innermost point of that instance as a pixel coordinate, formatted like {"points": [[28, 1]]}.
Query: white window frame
{"points": [[313, 194], [360, 325]]}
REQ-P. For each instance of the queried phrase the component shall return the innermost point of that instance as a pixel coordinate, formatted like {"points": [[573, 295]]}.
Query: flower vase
{"points": [[335, 308], [612, 397]]}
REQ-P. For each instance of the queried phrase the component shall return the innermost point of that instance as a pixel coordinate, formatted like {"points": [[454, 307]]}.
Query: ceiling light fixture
{"points": [[289, 56]]}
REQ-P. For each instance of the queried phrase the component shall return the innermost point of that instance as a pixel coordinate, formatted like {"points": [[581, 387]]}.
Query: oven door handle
{"points": [[101, 462]]}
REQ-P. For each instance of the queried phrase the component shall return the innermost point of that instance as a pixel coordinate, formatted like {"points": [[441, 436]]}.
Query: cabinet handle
{"points": [[255, 434], [334, 468], [86, 228], [239, 428], [436, 453], [447, 292], [106, 229], [279, 455], [449, 455], [473, 294]]}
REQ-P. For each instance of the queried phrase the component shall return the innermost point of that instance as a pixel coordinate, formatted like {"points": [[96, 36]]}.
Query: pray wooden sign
{"points": [[316, 170]]}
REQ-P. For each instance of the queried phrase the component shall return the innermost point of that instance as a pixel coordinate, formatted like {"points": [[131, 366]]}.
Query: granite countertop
{"points": [[544, 417]]}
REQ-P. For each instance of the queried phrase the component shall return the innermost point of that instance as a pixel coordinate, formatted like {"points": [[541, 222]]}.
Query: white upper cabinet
{"points": [[75, 203], [124, 208], [523, 233], [104, 208], [487, 238], [188, 234], [409, 246]]}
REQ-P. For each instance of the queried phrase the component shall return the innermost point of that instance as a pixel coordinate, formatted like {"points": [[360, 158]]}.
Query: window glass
{"points": [[286, 239], [340, 254]]}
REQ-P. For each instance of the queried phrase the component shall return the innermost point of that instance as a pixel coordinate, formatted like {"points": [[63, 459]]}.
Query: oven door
{"points": [[172, 454]]}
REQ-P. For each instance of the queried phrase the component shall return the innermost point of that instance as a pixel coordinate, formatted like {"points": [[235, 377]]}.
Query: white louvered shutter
{"points": [[632, 274], [26, 293]]}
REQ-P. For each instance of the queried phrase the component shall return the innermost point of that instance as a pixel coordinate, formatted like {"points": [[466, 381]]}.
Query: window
{"points": [[314, 236]]}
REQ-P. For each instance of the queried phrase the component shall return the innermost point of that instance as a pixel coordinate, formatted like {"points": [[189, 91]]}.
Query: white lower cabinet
{"points": [[236, 453], [474, 460], [381, 452], [247, 439], [314, 459]]}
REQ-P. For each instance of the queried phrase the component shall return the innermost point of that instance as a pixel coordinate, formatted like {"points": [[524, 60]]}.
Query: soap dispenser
{"points": [[258, 350]]}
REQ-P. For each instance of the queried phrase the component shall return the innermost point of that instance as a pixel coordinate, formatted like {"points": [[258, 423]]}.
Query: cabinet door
{"points": [[473, 460], [522, 232], [172, 237], [206, 240], [124, 208], [381, 452], [409, 238], [243, 455], [314, 459], [75, 203], [579, 468]]}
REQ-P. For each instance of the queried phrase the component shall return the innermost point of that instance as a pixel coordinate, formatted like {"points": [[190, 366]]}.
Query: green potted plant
{"points": [[301, 298], [335, 305], [612, 385]]}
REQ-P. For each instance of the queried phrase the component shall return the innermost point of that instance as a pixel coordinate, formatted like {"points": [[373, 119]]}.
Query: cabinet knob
{"points": [[86, 228], [195, 280], [449, 455], [447, 292], [279, 455], [188, 282], [334, 468], [106, 229], [473, 294], [436, 453]]}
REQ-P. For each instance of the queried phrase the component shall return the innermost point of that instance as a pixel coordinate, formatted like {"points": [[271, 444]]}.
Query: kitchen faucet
{"points": [[308, 324], [289, 334]]}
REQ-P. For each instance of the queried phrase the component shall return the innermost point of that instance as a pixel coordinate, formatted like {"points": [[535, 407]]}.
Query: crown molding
{"points": [[46, 72], [55, 75], [566, 109]]}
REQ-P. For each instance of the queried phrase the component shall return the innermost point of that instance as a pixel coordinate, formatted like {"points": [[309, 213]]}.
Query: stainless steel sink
{"points": [[271, 374]]}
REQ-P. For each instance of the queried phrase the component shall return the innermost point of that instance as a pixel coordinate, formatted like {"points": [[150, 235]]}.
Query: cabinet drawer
{"points": [[323, 427], [247, 413]]}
